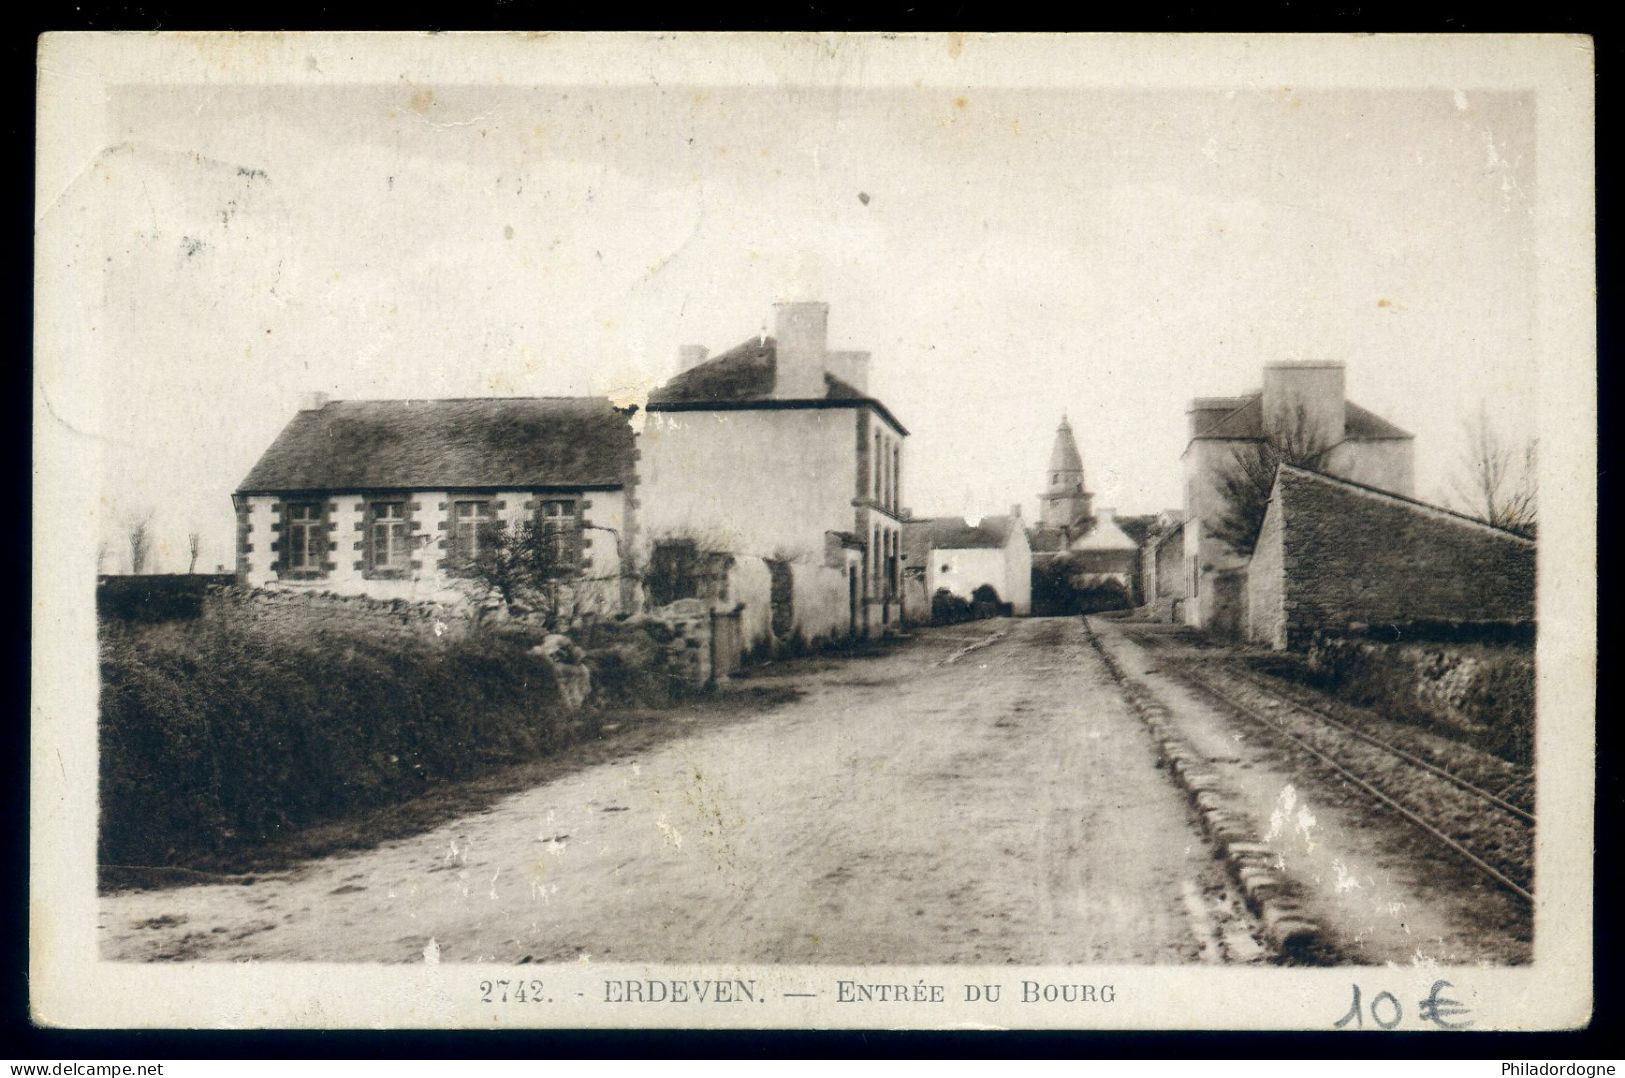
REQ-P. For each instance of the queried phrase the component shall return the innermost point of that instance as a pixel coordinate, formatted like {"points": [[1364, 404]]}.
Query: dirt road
{"points": [[980, 794]]}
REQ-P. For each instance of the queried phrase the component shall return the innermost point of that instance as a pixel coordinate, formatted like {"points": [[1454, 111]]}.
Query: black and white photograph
{"points": [[814, 530]]}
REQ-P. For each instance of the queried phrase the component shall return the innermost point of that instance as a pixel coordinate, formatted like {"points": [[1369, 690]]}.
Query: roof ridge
{"points": [[1378, 491]]}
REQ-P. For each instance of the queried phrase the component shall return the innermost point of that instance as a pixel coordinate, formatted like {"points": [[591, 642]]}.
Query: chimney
{"points": [[801, 333], [1303, 402], [1105, 516], [851, 368], [1015, 510], [690, 356], [313, 401]]}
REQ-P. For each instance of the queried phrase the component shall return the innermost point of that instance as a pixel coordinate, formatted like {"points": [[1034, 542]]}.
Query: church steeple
{"points": [[1064, 501]]}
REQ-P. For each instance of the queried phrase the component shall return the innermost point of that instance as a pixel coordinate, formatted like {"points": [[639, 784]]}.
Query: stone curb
{"points": [[1253, 863]]}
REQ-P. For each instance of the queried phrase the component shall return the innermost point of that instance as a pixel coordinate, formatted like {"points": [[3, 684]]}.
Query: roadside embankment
{"points": [[1277, 900]]}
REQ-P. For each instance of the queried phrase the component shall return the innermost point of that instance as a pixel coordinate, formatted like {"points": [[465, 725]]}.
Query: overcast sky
{"points": [[1007, 256]]}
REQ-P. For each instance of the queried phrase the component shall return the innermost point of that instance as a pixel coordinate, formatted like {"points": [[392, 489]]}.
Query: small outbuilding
{"points": [[961, 557]]}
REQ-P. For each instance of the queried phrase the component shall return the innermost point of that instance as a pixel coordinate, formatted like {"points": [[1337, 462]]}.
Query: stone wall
{"points": [[1349, 555], [307, 609], [687, 653], [681, 631]]}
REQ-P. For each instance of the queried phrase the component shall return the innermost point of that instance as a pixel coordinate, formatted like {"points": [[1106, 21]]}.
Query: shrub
{"points": [[224, 732], [628, 667], [948, 608], [985, 602], [1483, 693], [153, 598]]}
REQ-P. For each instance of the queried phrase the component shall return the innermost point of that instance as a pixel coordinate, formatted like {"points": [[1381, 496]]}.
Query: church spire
{"points": [[1064, 500]]}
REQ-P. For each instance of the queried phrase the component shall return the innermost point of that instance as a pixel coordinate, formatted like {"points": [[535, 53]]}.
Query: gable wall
{"points": [[766, 483]]}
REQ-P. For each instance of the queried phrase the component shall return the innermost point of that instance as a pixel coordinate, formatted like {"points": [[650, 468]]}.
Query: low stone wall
{"points": [[672, 645], [687, 649], [1482, 690]]}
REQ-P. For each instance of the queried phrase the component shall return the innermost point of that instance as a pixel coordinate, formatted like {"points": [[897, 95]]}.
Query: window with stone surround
{"points": [[306, 537], [389, 540], [561, 525], [473, 523]]}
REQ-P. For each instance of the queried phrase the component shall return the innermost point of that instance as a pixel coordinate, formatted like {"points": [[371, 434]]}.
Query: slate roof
{"points": [[507, 442], [1104, 535], [1289, 475], [1247, 422], [1045, 539], [742, 373]]}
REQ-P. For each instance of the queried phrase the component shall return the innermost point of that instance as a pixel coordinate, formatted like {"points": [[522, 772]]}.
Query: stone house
{"points": [[774, 457], [1300, 401], [393, 498], [1334, 553], [960, 557]]}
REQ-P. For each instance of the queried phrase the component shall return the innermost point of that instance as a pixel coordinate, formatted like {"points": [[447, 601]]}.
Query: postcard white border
{"points": [[71, 987]]}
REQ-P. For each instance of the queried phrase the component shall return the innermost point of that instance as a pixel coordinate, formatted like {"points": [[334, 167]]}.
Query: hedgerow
{"points": [[221, 733]]}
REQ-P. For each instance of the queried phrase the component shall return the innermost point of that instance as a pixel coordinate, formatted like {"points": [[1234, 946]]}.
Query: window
{"points": [[896, 475], [473, 521], [880, 466], [876, 561], [390, 544], [561, 524], [307, 538]]}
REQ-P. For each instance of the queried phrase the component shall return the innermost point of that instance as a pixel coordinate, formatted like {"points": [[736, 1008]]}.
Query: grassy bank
{"points": [[219, 734]]}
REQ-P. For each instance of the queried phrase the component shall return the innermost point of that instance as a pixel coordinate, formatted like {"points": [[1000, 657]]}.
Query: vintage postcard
{"points": [[814, 530]]}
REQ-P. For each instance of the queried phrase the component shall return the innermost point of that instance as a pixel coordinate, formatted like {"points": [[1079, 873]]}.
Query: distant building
{"points": [[1064, 504], [1162, 566], [774, 455], [1302, 401], [959, 557], [395, 498], [1334, 553], [1105, 553]]}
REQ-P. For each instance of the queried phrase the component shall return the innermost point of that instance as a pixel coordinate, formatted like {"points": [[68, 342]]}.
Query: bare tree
{"points": [[139, 533], [1246, 483], [1496, 481], [525, 566], [191, 550]]}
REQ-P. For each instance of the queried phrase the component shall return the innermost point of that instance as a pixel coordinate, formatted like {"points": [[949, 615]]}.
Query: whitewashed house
{"points": [[959, 557], [775, 456]]}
